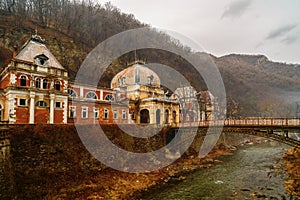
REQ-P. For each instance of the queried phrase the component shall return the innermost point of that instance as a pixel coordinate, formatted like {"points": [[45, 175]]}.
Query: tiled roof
{"points": [[34, 48]]}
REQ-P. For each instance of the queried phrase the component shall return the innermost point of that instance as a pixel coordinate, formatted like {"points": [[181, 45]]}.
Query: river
{"points": [[249, 173]]}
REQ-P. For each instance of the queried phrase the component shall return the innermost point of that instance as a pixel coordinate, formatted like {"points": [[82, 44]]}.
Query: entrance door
{"points": [[144, 116]]}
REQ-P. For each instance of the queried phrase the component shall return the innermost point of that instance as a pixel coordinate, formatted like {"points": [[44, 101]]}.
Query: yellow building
{"points": [[141, 88]]}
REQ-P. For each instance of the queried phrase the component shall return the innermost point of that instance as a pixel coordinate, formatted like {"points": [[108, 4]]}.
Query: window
{"points": [[115, 114], [23, 80], [123, 81], [91, 95], [84, 113], [96, 113], [38, 83], [105, 114], [72, 93], [41, 60], [124, 114], [41, 104], [72, 111], [133, 115], [45, 84], [109, 97], [58, 104], [174, 114], [150, 80], [22, 102], [57, 85]]}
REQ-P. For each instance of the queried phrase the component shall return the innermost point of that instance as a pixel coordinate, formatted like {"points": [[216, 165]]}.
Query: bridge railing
{"points": [[245, 122]]}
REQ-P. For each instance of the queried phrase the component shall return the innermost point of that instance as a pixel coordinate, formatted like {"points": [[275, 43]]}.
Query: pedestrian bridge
{"points": [[283, 130]]}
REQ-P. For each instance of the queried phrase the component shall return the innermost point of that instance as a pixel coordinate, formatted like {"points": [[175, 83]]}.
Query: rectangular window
{"points": [[105, 114], [84, 113], [58, 104], [115, 114], [72, 111], [96, 113], [22, 102], [124, 114]]}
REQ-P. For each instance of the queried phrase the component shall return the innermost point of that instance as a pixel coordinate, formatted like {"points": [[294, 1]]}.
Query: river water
{"points": [[250, 173]]}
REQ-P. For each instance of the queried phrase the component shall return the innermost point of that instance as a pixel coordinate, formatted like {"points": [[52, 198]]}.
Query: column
{"points": [[101, 95], [51, 117], [65, 119], [32, 107]]}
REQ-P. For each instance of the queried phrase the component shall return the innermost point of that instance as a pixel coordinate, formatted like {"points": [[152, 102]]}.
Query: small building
{"points": [[195, 106]]}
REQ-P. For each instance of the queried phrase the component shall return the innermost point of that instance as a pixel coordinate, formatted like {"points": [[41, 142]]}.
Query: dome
{"points": [[136, 74]]}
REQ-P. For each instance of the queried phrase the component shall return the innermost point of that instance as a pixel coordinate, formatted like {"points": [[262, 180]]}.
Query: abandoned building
{"points": [[35, 89]]}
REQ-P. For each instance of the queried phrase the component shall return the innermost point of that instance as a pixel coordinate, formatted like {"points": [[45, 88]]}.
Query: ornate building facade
{"points": [[35, 89]]}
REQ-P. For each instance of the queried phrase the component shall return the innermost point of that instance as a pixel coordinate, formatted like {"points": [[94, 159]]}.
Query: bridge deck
{"points": [[273, 128]]}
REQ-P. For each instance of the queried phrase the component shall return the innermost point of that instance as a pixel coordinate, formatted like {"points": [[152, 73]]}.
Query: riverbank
{"points": [[50, 162], [292, 166], [252, 172], [112, 184]]}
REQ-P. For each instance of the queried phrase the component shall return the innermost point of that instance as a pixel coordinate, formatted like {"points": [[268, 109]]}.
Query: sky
{"points": [[221, 27]]}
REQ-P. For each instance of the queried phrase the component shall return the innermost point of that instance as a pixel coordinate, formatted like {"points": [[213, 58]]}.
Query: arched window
{"points": [[41, 104], [174, 115], [38, 83], [109, 97], [23, 80], [166, 116], [158, 116], [45, 84], [144, 116], [41, 60], [91, 95], [57, 85], [72, 93]]}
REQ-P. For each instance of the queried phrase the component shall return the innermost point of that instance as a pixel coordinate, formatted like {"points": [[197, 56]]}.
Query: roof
{"points": [[35, 48], [137, 73]]}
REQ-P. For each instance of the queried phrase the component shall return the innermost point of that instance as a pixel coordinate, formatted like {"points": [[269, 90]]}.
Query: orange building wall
{"points": [[101, 108], [5, 82], [58, 116], [41, 116], [22, 115]]}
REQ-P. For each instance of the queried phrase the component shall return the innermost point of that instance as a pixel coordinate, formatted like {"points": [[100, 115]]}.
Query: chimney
{"points": [[15, 53]]}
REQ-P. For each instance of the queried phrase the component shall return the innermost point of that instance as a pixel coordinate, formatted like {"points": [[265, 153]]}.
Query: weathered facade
{"points": [[34, 89], [148, 104]]}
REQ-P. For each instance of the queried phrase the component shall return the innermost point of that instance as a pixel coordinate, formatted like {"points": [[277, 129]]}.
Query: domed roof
{"points": [[136, 74]]}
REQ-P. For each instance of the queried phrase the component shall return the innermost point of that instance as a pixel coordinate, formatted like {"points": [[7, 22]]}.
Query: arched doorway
{"points": [[144, 116], [166, 116], [158, 116]]}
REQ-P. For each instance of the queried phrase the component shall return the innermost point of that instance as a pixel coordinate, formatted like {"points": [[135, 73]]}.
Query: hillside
{"points": [[255, 86]]}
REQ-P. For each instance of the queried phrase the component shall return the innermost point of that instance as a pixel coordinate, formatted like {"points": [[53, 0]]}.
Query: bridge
{"points": [[284, 130]]}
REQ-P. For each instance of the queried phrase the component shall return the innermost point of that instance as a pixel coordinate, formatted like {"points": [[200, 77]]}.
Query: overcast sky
{"points": [[269, 27]]}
